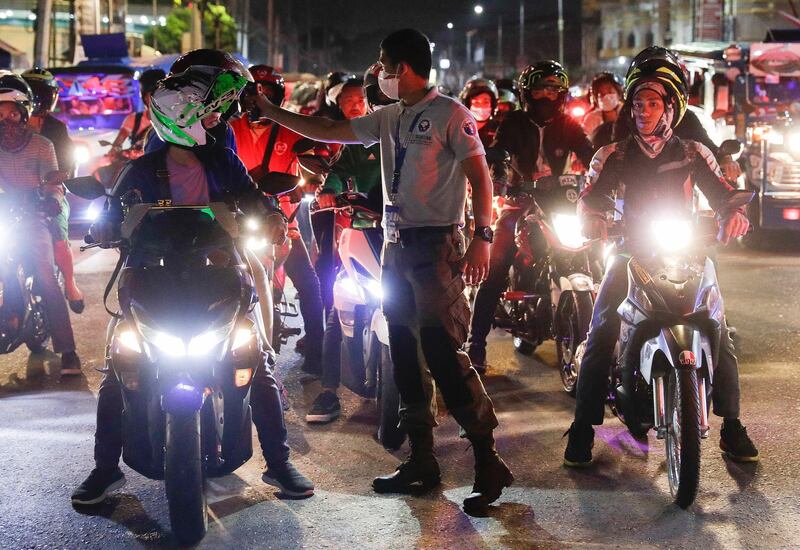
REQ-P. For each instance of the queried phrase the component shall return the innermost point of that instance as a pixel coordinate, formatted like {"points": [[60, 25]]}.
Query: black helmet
{"points": [[605, 78], [375, 98], [478, 86], [531, 75], [14, 89], [149, 79], [210, 58], [331, 80], [44, 87], [657, 64], [507, 84]]}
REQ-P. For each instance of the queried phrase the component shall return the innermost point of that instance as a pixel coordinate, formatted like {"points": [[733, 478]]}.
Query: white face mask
{"points": [[389, 85], [608, 102], [481, 114]]}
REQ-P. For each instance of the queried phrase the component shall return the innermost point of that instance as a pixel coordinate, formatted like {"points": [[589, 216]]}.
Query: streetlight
{"points": [[478, 9], [450, 26]]}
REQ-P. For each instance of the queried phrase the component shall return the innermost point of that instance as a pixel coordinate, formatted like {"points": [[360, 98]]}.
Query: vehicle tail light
{"points": [[792, 214]]}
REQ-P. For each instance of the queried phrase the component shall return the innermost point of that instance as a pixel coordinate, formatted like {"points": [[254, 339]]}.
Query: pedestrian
{"points": [[429, 149]]}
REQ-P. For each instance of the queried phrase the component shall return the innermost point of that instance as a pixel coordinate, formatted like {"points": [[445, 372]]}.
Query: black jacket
{"points": [[519, 135], [56, 131]]}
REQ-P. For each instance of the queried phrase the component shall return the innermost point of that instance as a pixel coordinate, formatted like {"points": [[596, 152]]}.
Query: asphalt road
{"points": [[623, 501]]}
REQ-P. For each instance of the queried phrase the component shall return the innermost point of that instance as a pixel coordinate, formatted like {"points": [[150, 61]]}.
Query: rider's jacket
{"points": [[272, 148], [226, 176], [520, 136], [651, 186]]}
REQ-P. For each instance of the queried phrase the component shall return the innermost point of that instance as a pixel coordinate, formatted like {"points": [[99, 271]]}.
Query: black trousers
{"points": [[265, 400], [603, 333]]}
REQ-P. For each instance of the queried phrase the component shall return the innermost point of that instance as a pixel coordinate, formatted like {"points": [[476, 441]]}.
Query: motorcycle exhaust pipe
{"points": [[660, 407], [704, 427]]}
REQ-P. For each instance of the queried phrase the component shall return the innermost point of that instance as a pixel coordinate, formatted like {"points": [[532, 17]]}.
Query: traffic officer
{"points": [[429, 149]]}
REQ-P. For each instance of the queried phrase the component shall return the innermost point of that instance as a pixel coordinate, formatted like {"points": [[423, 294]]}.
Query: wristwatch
{"points": [[484, 232]]}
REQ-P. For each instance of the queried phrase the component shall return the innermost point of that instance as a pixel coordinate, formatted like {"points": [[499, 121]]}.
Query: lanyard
{"points": [[400, 150]]}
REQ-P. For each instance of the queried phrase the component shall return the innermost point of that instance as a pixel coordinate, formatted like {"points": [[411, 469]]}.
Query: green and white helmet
{"points": [[181, 102]]}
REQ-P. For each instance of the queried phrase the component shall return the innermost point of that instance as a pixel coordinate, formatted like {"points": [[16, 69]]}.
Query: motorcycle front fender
{"points": [[182, 397], [683, 346], [577, 282], [380, 327]]}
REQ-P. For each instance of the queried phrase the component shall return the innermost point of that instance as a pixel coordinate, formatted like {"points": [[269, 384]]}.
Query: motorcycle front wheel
{"points": [[39, 334], [576, 316], [184, 479], [683, 436]]}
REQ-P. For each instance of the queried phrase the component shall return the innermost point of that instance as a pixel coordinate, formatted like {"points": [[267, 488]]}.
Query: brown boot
{"points": [[491, 476], [419, 471]]}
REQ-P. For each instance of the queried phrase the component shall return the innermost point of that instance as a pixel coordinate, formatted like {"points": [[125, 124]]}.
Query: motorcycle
{"points": [[22, 316], [366, 364], [662, 374], [185, 347], [550, 292]]}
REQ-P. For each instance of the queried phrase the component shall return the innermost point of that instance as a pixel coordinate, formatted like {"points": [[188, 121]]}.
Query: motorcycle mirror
{"points": [[277, 183], [497, 155], [86, 187], [730, 147], [315, 164], [104, 143]]}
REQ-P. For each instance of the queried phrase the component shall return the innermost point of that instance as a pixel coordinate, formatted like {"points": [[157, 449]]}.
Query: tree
{"points": [[219, 29]]}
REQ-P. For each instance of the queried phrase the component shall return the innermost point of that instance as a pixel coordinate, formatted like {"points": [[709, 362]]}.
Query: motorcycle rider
{"points": [[27, 160], [136, 125], [540, 139], [357, 169], [45, 96], [653, 165], [689, 127], [264, 147], [480, 96], [605, 96], [192, 179], [425, 173]]}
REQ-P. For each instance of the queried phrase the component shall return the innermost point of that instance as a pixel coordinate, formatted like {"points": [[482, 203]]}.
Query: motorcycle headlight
{"points": [[128, 339], [256, 243], [173, 346], [167, 343], [568, 230], [372, 286], [350, 287], [80, 154], [672, 235], [252, 224], [242, 337]]}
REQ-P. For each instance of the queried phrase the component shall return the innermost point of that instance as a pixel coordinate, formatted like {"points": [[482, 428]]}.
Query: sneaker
{"points": [[70, 364], [735, 442], [97, 486], [290, 482], [578, 453], [325, 408]]}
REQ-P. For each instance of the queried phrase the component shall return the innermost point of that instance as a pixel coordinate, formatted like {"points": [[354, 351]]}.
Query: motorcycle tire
{"points": [[389, 434], [579, 316], [184, 478], [40, 332], [683, 443]]}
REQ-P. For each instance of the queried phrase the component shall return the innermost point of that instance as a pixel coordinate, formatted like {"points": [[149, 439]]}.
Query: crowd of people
{"points": [[419, 155]]}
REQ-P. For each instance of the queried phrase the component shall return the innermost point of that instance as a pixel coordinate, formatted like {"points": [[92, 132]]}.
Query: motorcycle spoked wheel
{"points": [[683, 436], [184, 478], [39, 330], [575, 319]]}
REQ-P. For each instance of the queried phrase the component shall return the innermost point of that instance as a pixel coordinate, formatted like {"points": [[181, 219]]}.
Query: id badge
{"points": [[391, 223]]}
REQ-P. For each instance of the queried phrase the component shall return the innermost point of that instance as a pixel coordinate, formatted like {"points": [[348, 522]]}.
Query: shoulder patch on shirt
{"points": [[469, 128], [281, 147], [424, 125]]}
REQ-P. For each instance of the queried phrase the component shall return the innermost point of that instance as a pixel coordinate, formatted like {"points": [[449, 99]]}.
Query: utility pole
{"points": [[197, 25], [500, 41], [246, 37], [155, 18], [41, 42], [561, 31], [270, 31], [521, 54]]}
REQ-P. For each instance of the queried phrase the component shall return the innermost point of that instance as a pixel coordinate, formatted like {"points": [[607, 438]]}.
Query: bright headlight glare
{"points": [[242, 337], [202, 344], [350, 287], [374, 288], [256, 243], [129, 339], [672, 235], [775, 137], [794, 142], [92, 212], [168, 344], [80, 154], [568, 230], [252, 224]]}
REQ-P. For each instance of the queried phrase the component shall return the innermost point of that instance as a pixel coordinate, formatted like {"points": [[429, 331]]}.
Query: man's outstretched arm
{"points": [[312, 127]]}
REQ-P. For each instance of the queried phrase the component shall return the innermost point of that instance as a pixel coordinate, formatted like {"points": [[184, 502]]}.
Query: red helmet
{"points": [[273, 80]]}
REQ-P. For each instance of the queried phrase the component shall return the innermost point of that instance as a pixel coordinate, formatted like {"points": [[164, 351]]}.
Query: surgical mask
{"points": [[542, 110], [13, 135], [389, 86], [608, 102], [481, 114]]}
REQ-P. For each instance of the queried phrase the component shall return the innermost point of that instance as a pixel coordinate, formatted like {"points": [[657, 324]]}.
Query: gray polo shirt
{"points": [[433, 186]]}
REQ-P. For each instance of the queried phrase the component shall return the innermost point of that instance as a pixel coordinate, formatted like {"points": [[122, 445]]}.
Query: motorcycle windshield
{"points": [[182, 303]]}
